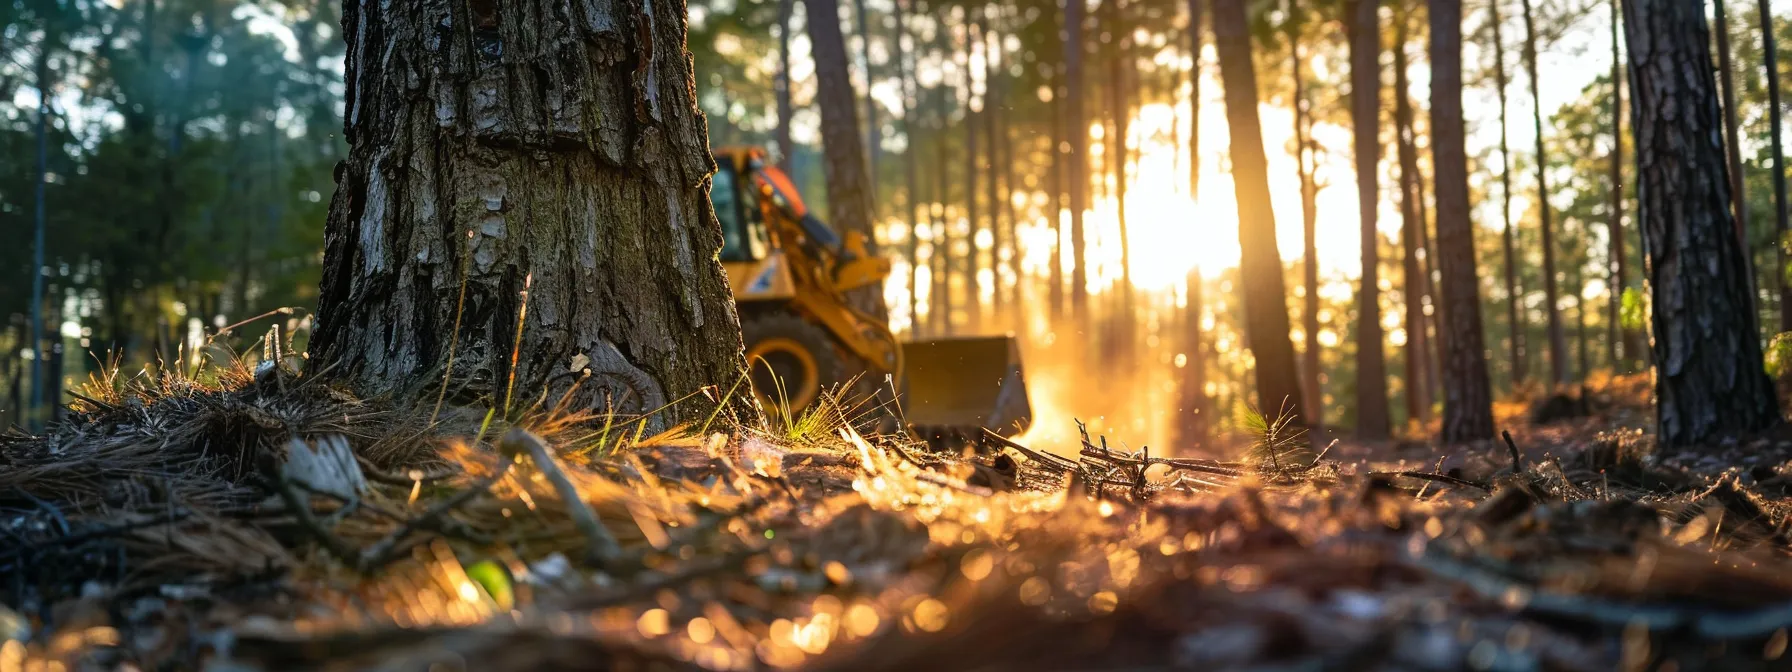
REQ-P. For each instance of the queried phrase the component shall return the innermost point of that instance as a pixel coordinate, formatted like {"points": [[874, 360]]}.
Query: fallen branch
{"points": [[602, 548]]}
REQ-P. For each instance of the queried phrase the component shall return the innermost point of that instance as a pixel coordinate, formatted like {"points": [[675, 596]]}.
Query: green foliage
{"points": [[1634, 313], [1779, 355]]}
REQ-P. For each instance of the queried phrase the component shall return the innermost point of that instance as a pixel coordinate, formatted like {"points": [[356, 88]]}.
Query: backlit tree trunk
{"points": [[874, 131], [1364, 28], [1514, 322], [911, 171], [1078, 158], [1709, 381], [1770, 55], [1260, 265], [1412, 223], [1304, 157], [1623, 341], [781, 88], [539, 151], [1732, 132], [843, 148], [973, 170], [1468, 401], [1558, 343]]}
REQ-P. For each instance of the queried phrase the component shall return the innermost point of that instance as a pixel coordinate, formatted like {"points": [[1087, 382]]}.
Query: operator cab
{"points": [[736, 203]]}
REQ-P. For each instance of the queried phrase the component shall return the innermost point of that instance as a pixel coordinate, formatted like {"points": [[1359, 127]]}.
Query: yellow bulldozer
{"points": [[791, 274]]}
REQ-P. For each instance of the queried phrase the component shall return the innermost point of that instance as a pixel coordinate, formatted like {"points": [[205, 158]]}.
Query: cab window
{"points": [[724, 194]]}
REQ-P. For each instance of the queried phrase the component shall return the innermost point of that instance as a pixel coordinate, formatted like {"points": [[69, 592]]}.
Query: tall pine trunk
{"points": [[973, 299], [1413, 278], [1309, 211], [1769, 52], [781, 88], [1623, 341], [1468, 401], [1260, 265], [1558, 343], [874, 131], [992, 171], [843, 150], [1732, 133], [1078, 159], [479, 178], [911, 105], [1514, 323], [1054, 199], [1364, 29], [1709, 381], [1193, 425], [1120, 76]]}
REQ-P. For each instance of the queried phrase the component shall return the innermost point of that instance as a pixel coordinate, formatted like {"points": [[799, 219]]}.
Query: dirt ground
{"points": [[275, 523]]}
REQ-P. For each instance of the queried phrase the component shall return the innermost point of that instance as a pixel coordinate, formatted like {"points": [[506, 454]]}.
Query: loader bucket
{"points": [[965, 383]]}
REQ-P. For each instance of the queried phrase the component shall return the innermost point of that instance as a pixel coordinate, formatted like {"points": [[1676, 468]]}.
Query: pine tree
{"points": [[1364, 29], [454, 251], [1468, 401], [1710, 383], [1558, 344], [1265, 296]]}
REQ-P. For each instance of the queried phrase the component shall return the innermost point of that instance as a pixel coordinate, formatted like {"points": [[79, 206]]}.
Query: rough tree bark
{"points": [[1260, 265], [843, 149], [545, 152], [1558, 343], [1413, 277], [1515, 326], [1709, 380], [1468, 401], [1364, 28]]}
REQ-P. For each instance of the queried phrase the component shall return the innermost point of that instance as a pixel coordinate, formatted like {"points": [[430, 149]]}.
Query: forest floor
{"points": [[277, 523]]}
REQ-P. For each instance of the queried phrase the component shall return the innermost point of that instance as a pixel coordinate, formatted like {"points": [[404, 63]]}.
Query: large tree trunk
{"points": [[1558, 343], [1468, 401], [1709, 381], [480, 181], [1078, 159], [1309, 211], [1770, 55], [843, 149], [781, 88], [1732, 133], [1514, 324], [1364, 28], [1413, 278], [1260, 265]]}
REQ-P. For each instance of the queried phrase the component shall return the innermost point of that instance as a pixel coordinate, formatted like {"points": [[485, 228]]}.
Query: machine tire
{"points": [[800, 353]]}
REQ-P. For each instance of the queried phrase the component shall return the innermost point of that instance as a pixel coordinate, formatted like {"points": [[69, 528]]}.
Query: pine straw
{"points": [[741, 551]]}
